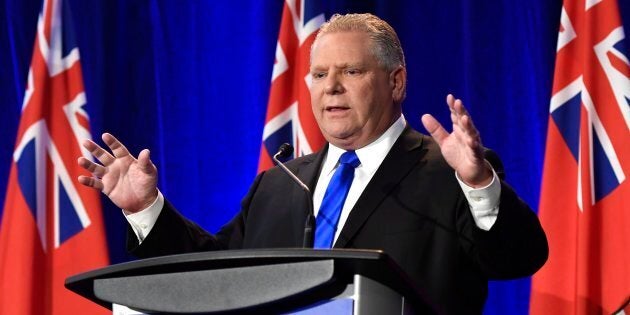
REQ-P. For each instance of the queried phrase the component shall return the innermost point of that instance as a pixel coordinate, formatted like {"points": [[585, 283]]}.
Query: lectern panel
{"points": [[228, 289]]}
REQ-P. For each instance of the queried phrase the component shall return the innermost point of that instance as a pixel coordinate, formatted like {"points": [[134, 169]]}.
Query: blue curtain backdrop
{"points": [[190, 81]]}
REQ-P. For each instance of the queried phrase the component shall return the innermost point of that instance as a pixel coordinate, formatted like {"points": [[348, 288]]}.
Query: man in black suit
{"points": [[435, 204]]}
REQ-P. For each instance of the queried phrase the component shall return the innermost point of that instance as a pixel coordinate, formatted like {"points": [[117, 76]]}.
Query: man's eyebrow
{"points": [[354, 65], [342, 66]]}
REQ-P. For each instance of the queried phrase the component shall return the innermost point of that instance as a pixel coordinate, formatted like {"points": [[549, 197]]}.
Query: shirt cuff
{"points": [[143, 221], [484, 201]]}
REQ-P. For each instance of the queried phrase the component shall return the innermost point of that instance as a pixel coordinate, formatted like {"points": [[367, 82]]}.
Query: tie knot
{"points": [[350, 158]]}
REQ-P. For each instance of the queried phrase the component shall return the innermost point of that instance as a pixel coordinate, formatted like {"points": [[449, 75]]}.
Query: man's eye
{"points": [[318, 75], [353, 72]]}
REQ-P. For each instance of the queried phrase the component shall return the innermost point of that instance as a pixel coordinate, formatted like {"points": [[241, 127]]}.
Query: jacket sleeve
{"points": [[516, 245], [175, 234]]}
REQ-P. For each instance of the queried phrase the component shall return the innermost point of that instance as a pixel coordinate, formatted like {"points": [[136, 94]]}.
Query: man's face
{"points": [[354, 99]]}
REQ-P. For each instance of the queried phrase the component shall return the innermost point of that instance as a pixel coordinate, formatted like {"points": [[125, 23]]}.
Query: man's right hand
{"points": [[130, 183]]}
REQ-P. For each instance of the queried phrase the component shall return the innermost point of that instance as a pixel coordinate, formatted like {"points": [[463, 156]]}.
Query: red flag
{"points": [[289, 115], [585, 198], [51, 227]]}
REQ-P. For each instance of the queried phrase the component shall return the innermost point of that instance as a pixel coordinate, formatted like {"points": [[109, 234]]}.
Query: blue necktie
{"points": [[334, 198]]}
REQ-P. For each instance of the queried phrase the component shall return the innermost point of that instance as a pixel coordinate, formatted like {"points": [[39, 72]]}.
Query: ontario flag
{"points": [[585, 198], [289, 115], [51, 226]]}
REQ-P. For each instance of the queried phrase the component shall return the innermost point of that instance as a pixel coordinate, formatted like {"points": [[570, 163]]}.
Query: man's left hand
{"points": [[461, 148]]}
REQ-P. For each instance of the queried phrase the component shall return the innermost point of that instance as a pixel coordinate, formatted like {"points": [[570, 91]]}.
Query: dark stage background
{"points": [[190, 81]]}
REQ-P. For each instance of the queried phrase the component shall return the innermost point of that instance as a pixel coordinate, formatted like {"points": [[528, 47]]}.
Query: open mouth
{"points": [[334, 109]]}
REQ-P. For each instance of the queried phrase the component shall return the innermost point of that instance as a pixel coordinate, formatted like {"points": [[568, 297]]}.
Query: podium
{"points": [[272, 281]]}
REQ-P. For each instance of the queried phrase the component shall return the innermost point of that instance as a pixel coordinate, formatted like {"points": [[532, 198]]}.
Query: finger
{"points": [[459, 111], [458, 133], [91, 182], [144, 161], [454, 118], [463, 127], [450, 99], [468, 127], [454, 105], [434, 128], [99, 153], [459, 108], [116, 146], [473, 139], [96, 170]]}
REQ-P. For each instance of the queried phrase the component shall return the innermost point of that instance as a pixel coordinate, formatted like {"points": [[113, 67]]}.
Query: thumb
{"points": [[434, 128]]}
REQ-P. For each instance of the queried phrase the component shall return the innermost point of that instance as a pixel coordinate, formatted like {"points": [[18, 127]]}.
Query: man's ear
{"points": [[398, 83]]}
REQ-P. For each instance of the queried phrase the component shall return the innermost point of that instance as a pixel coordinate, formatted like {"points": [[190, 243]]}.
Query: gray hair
{"points": [[385, 43]]}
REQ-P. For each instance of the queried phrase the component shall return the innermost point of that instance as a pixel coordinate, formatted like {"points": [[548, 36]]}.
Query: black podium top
{"points": [[243, 281]]}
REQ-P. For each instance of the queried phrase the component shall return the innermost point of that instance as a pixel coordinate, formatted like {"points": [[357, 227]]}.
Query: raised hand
{"points": [[130, 183], [461, 148]]}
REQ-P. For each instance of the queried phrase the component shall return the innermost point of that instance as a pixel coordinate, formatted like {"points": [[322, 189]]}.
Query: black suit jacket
{"points": [[413, 209]]}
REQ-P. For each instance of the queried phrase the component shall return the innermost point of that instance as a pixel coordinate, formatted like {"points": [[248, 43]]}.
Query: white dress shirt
{"points": [[484, 202]]}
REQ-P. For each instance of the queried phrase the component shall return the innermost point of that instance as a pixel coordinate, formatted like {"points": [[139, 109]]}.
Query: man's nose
{"points": [[333, 85]]}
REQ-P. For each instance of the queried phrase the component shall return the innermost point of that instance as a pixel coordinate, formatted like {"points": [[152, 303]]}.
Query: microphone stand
{"points": [[284, 151]]}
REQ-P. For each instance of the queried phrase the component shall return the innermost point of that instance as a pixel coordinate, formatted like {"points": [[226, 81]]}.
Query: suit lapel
{"points": [[308, 171], [403, 156]]}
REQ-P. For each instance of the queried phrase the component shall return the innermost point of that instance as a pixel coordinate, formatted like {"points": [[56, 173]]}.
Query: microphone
{"points": [[285, 151]]}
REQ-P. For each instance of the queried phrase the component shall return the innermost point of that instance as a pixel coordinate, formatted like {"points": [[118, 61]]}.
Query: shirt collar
{"points": [[371, 155]]}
